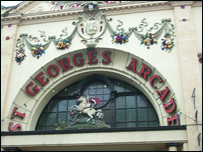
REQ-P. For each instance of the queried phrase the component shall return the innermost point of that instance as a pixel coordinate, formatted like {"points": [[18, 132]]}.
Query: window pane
{"points": [[107, 116], [41, 128], [107, 106], [71, 103], [92, 85], [99, 91], [43, 119], [106, 91], [120, 102], [120, 124], [51, 118], [141, 102], [129, 88], [130, 113], [50, 128], [92, 91], [72, 89], [100, 85], [153, 124], [142, 114], [62, 105], [106, 97], [53, 106], [61, 117], [63, 93], [119, 87], [131, 124], [86, 93], [120, 115], [152, 114], [142, 124], [130, 102]]}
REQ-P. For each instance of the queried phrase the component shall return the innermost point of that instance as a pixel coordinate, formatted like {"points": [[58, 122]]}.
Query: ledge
{"points": [[98, 130]]}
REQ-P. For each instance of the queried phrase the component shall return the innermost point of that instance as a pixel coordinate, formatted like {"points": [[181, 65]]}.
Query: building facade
{"points": [[101, 75]]}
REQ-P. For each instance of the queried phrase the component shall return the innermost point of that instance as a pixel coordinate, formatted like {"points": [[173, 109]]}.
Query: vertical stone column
{"points": [[191, 75], [172, 146], [8, 40]]}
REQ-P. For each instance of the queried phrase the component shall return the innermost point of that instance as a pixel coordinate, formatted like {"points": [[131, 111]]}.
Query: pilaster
{"points": [[187, 49], [8, 41]]}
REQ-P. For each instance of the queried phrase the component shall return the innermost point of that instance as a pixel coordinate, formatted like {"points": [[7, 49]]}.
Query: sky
{"points": [[10, 3]]}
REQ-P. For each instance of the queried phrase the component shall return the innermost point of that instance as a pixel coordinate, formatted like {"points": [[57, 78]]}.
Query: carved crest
{"points": [[92, 24]]}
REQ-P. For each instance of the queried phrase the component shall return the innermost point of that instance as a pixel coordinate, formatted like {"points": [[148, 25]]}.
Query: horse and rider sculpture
{"points": [[86, 106]]}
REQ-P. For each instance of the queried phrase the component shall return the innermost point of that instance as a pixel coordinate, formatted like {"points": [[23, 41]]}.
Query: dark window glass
{"points": [[130, 102], [141, 102], [71, 103], [62, 117], [120, 115], [152, 114], [129, 108], [43, 119], [142, 114], [130, 115], [119, 87], [142, 124], [62, 105], [120, 102], [53, 106], [129, 89], [131, 124], [51, 118], [120, 125]]}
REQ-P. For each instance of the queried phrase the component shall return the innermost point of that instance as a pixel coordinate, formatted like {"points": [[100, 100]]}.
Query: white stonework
{"points": [[180, 71]]}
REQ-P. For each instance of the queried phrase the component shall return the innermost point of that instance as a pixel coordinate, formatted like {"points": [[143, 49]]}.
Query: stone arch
{"points": [[116, 68]]}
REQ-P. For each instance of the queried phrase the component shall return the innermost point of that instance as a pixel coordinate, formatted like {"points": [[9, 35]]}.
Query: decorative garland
{"points": [[91, 19], [120, 38], [38, 50], [63, 43], [148, 39], [167, 44], [20, 56]]}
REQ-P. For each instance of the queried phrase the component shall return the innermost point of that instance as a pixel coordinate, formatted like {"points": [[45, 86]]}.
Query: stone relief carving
{"points": [[91, 25], [84, 115]]}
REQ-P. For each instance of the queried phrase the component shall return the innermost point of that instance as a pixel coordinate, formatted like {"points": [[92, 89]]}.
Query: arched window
{"points": [[123, 105]]}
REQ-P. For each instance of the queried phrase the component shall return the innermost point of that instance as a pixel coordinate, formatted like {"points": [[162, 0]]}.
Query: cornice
{"points": [[179, 3], [22, 6], [110, 9], [197, 4]]}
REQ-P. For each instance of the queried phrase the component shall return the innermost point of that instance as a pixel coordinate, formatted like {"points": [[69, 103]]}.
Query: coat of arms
{"points": [[92, 25]]}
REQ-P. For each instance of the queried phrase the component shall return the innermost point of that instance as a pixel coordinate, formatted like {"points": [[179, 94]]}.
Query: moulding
{"points": [[61, 15], [22, 5], [197, 4], [179, 3], [158, 128], [110, 9]]}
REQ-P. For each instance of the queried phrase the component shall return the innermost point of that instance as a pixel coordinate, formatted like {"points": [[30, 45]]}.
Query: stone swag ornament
{"points": [[91, 25]]}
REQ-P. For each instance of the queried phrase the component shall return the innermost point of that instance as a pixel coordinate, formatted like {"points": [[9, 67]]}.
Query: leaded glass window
{"points": [[128, 108]]}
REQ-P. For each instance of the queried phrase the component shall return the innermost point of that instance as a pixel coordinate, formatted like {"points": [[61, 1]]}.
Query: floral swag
{"points": [[119, 36]]}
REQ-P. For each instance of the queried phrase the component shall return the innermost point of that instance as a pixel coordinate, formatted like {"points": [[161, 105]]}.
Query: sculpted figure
{"points": [[86, 106]]}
